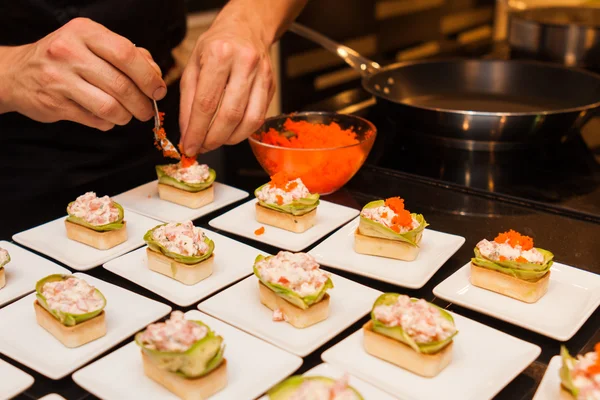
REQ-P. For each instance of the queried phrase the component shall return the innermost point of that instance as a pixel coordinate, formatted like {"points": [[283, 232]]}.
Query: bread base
{"points": [[374, 246], [397, 353], [98, 240], [184, 273], [528, 292], [289, 222], [71, 336], [185, 198], [2, 278], [187, 389], [295, 316]]}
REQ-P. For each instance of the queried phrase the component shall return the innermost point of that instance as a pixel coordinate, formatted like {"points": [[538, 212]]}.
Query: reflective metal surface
{"points": [[478, 104], [568, 35]]}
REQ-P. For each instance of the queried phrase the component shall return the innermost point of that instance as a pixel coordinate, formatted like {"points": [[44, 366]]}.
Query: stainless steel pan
{"points": [[477, 104]]}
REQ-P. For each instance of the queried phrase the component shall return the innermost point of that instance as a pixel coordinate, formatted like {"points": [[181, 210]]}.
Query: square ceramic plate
{"points": [[23, 271], [51, 239], [240, 306], [13, 381], [233, 261], [367, 390], [242, 221], [572, 296], [549, 388], [253, 366], [484, 360], [144, 200], [31, 345], [338, 252]]}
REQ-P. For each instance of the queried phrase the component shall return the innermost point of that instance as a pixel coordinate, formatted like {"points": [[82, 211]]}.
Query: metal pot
{"points": [[567, 35]]}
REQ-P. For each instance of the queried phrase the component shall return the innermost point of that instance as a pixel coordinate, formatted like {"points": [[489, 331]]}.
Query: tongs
{"points": [[160, 136]]}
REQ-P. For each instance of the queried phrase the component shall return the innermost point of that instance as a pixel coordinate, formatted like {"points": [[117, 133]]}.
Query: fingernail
{"points": [[159, 93]]}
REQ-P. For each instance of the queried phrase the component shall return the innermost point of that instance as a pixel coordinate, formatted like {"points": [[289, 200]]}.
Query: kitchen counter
{"points": [[448, 208]]}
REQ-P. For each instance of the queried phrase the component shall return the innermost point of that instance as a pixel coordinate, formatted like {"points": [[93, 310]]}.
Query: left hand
{"points": [[230, 66]]}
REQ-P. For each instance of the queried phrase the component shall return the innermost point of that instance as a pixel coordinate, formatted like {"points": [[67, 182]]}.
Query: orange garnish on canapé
{"points": [[279, 199], [403, 217], [502, 258], [521, 259], [282, 181], [595, 368], [186, 161], [514, 239], [259, 231]]}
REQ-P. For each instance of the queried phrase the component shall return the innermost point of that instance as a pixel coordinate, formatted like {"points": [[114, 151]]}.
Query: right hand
{"points": [[84, 73]]}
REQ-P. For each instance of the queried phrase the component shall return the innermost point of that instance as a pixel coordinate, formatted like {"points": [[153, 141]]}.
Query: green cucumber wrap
{"points": [[200, 359], [286, 389], [113, 226], [64, 318], [189, 260], [165, 179], [289, 295], [368, 227], [3, 263], [397, 333], [522, 270], [566, 379], [297, 207]]}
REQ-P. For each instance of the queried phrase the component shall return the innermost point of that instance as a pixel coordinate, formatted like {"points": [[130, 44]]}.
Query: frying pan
{"points": [[476, 104]]}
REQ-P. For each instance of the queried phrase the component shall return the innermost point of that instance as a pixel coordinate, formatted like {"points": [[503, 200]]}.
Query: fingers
{"points": [[121, 53], [210, 85], [258, 103], [76, 113], [187, 86], [233, 106], [99, 103], [109, 79], [149, 58]]}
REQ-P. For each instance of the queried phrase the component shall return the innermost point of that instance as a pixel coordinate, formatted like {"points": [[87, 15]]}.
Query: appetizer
{"points": [[180, 251], [186, 183], [184, 356], [286, 204], [410, 333], [580, 377], [387, 229], [70, 309], [293, 286], [4, 259], [511, 266], [96, 221], [314, 388]]}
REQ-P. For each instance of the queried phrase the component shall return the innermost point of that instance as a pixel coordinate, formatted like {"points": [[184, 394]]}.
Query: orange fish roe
{"points": [[515, 239], [403, 217], [502, 258], [186, 161], [521, 259], [279, 199], [595, 368], [259, 231], [282, 181], [161, 136], [306, 135]]}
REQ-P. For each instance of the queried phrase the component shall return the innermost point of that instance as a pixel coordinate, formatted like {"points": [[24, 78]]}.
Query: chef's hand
{"points": [[84, 73], [229, 65]]}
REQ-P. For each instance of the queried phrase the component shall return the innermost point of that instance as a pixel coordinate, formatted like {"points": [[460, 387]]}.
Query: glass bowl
{"points": [[324, 170]]}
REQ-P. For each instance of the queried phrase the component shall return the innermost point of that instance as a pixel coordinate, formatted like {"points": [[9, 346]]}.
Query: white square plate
{"points": [[240, 306], [23, 271], [144, 200], [51, 239], [31, 345], [13, 381], [549, 388], [253, 366], [52, 396], [573, 295], [367, 390], [242, 221], [233, 261], [484, 361], [338, 252]]}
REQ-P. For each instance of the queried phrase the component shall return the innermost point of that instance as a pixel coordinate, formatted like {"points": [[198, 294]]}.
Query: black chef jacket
{"points": [[44, 166]]}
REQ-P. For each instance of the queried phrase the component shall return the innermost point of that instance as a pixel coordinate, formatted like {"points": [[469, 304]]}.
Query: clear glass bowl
{"points": [[323, 171]]}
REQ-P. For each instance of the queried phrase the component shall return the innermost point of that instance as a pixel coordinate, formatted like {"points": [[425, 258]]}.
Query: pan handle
{"points": [[361, 64]]}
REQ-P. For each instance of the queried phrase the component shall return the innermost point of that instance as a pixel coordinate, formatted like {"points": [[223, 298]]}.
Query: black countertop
{"points": [[449, 208]]}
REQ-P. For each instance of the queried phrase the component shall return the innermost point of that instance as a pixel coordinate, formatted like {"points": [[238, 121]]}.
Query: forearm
{"points": [[270, 18]]}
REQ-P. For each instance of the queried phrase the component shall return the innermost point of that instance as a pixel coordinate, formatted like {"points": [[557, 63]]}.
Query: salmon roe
{"points": [[403, 217], [514, 239], [282, 181], [259, 231], [595, 368], [307, 135]]}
